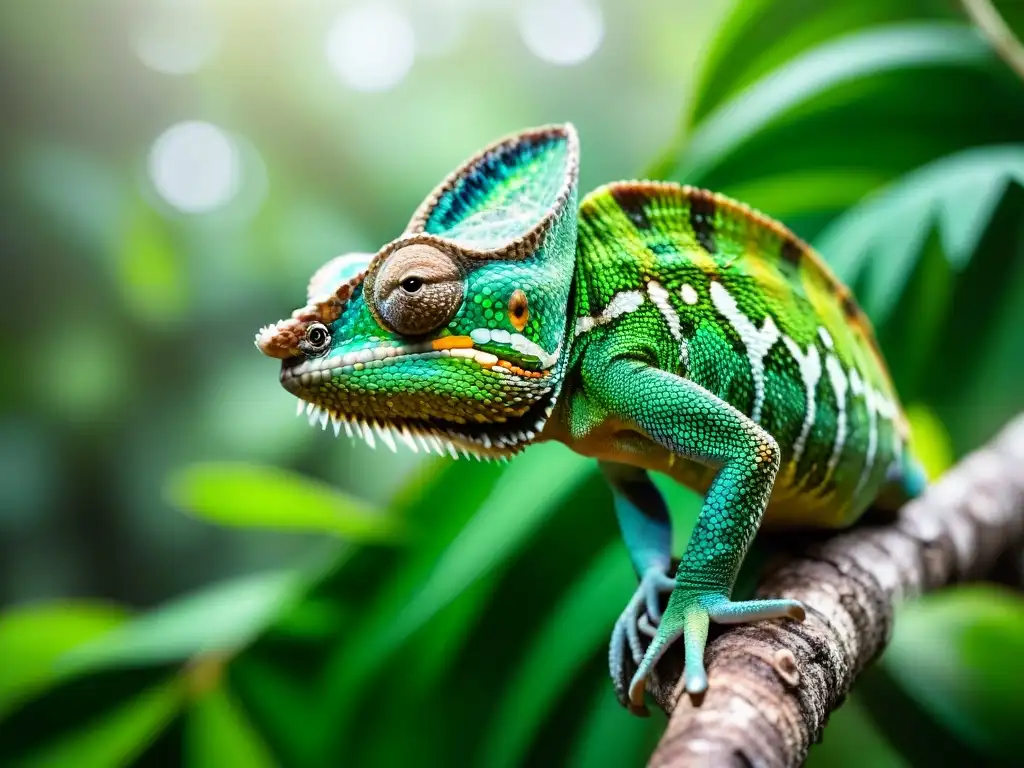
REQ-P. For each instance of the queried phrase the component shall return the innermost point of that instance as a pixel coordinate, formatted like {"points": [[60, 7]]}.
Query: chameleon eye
{"points": [[518, 310], [417, 289], [316, 341]]}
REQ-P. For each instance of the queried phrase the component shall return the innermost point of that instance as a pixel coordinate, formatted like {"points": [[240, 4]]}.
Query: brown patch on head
{"points": [[518, 309], [281, 340]]}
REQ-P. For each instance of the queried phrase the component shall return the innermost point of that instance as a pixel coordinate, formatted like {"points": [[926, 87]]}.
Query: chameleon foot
{"points": [[641, 615], [688, 615]]}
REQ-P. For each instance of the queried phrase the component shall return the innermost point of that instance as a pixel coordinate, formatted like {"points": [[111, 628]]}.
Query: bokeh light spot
{"points": [[195, 167], [563, 32], [371, 47], [176, 37]]}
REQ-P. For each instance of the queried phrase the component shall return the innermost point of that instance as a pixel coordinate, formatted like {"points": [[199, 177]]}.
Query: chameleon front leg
{"points": [[647, 532], [694, 423]]}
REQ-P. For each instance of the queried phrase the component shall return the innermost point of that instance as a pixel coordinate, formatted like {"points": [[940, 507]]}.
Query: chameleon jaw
{"points": [[483, 438], [434, 435]]}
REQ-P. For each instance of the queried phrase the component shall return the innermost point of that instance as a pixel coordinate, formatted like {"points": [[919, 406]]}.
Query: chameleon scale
{"points": [[653, 326]]}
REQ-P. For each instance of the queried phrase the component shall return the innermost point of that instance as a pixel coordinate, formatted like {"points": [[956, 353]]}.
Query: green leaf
{"points": [[856, 56], [611, 737], [116, 739], [852, 741], [759, 35], [882, 237], [503, 511], [932, 445], [267, 497], [956, 653], [219, 619], [219, 734], [79, 711], [572, 634], [38, 635], [529, 490]]}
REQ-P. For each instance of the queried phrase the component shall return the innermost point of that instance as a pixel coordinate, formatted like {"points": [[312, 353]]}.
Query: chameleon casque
{"points": [[655, 327]]}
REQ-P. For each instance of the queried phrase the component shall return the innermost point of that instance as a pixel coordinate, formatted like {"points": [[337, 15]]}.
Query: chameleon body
{"points": [[653, 326]]}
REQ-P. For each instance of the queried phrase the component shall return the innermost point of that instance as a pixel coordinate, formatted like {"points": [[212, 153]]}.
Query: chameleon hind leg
{"points": [[647, 531], [694, 423]]}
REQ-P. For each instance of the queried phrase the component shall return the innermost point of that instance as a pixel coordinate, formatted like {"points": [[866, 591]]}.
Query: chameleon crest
{"points": [[656, 327]]}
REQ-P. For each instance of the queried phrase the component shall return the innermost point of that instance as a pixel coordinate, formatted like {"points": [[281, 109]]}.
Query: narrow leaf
{"points": [[576, 629], [885, 233], [38, 635], [525, 495], [268, 497], [890, 48], [218, 619], [115, 740], [219, 734]]}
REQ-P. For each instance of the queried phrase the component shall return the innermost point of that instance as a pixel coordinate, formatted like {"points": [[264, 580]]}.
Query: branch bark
{"points": [[773, 684]]}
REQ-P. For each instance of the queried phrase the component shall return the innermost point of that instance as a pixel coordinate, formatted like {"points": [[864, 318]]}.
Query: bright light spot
{"points": [[371, 47], [195, 167], [561, 32], [176, 37]]}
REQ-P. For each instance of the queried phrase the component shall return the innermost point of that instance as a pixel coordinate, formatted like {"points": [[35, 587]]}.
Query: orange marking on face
{"points": [[452, 342], [513, 368]]}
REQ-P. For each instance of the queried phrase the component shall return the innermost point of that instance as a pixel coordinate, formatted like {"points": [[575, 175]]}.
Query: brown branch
{"points": [[773, 684]]}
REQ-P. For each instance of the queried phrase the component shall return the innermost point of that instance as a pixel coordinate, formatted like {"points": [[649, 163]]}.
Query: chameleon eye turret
{"points": [[316, 341], [655, 327], [415, 290]]}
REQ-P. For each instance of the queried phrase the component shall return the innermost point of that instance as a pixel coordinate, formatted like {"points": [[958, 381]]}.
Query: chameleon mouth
{"points": [[500, 440], [484, 440]]}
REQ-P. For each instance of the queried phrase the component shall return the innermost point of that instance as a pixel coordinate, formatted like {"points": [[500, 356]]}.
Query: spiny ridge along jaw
{"points": [[433, 437]]}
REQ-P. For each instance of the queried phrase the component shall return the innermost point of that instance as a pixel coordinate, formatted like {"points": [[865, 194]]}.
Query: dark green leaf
{"points": [[106, 710], [577, 627], [956, 653], [851, 741], [819, 71], [761, 35], [883, 236], [612, 737], [117, 738]]}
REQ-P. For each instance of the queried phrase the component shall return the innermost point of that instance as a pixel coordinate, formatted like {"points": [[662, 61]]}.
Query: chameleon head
{"points": [[453, 332]]}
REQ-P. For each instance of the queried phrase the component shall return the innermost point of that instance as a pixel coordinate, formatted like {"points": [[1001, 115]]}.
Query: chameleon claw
{"points": [[640, 617], [688, 615]]}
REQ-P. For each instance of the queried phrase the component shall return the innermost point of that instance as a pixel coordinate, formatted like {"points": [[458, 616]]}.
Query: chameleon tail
{"points": [[906, 480]]}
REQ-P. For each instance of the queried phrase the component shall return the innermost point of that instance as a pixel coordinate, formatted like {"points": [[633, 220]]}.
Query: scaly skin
{"points": [[657, 328]]}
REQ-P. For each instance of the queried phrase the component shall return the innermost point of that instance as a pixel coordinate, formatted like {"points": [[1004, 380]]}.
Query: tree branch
{"points": [[773, 684]]}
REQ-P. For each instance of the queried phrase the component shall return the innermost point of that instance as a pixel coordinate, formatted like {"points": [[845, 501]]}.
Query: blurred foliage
{"points": [[456, 611]]}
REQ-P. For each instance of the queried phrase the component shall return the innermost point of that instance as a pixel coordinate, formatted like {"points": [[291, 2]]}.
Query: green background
{"points": [[190, 575]]}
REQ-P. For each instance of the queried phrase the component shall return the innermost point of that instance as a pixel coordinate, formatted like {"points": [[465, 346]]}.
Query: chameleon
{"points": [[656, 327]]}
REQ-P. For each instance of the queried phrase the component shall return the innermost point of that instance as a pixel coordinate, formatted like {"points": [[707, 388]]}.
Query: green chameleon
{"points": [[655, 327]]}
